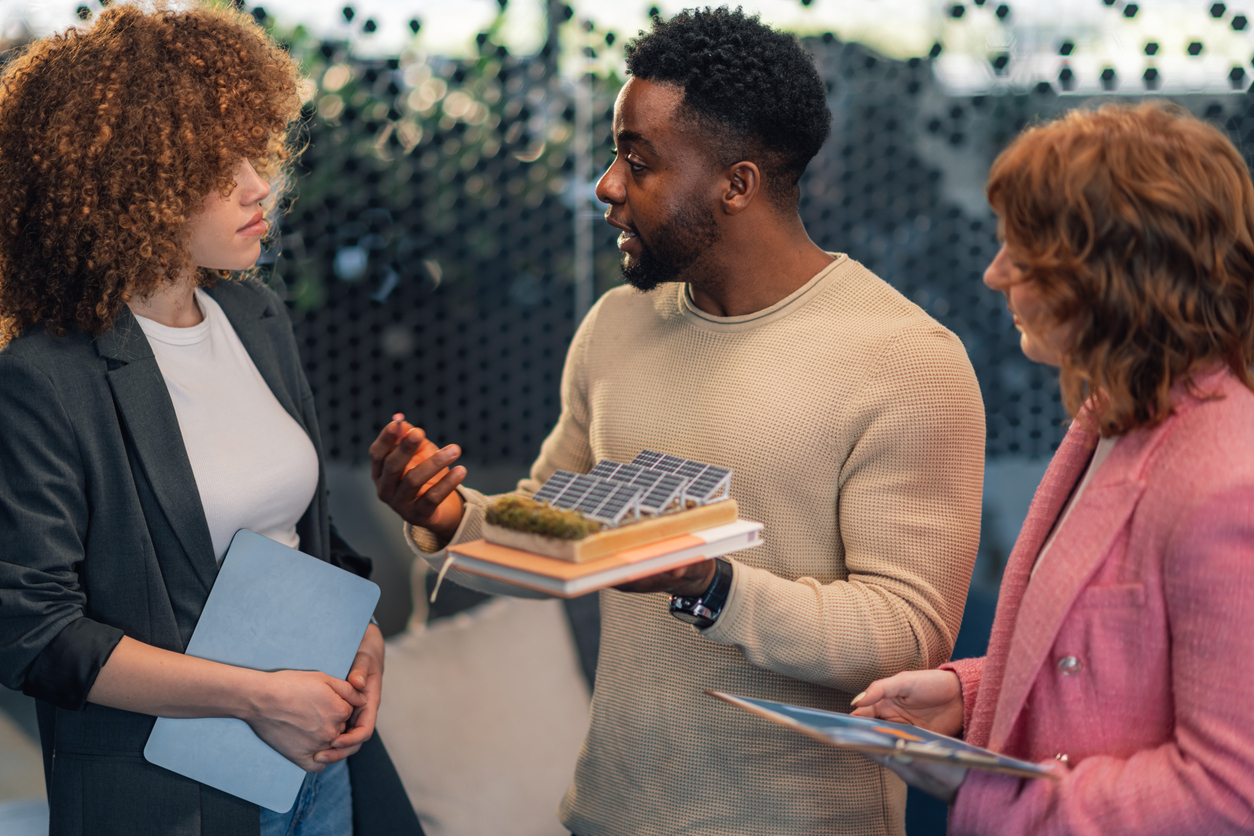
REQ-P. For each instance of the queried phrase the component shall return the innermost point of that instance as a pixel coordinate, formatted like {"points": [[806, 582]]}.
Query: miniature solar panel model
{"points": [[581, 532], [616, 506]]}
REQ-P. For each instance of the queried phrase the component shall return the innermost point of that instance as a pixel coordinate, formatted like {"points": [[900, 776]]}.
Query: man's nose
{"points": [[609, 188]]}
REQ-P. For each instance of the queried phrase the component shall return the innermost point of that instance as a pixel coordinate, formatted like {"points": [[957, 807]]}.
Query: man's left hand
{"points": [[366, 676], [693, 579]]}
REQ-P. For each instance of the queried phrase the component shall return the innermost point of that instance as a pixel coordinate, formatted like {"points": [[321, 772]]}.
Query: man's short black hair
{"points": [[754, 92]]}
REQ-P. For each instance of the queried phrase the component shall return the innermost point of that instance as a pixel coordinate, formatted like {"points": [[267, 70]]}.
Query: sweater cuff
{"points": [[422, 540], [425, 543], [721, 630], [969, 672], [66, 669], [982, 801]]}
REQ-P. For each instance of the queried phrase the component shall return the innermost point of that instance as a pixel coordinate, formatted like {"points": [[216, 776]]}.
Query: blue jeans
{"points": [[324, 807]]}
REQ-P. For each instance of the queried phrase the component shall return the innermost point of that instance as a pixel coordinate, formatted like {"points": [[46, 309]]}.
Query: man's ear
{"points": [[744, 181]]}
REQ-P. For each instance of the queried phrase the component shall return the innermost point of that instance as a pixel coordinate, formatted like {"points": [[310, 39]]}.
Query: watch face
{"points": [[689, 618], [690, 611]]}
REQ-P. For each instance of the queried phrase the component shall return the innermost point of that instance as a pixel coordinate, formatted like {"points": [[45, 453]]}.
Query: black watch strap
{"points": [[703, 610]]}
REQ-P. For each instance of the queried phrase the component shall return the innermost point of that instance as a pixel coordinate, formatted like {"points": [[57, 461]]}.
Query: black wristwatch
{"points": [[701, 611]]}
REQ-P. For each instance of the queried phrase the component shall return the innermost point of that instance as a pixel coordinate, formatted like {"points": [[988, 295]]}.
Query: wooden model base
{"points": [[629, 536]]}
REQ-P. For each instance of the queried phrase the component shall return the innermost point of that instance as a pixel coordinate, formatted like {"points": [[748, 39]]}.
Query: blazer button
{"points": [[1070, 665]]}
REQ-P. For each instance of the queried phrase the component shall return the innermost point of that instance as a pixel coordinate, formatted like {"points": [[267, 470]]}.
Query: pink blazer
{"points": [[1131, 652]]}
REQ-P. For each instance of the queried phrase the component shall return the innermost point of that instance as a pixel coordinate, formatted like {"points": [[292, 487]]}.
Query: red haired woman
{"points": [[150, 410], [1123, 646]]}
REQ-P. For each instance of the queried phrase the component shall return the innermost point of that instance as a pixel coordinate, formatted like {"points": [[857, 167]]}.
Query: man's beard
{"points": [[675, 247]]}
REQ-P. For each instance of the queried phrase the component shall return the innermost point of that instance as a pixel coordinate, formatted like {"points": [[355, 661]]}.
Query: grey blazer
{"points": [[102, 534]]}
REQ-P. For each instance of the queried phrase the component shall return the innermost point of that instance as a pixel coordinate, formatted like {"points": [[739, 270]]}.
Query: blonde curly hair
{"points": [[111, 137]]}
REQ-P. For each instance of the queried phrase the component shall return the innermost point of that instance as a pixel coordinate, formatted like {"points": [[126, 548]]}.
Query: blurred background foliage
{"points": [[441, 239]]}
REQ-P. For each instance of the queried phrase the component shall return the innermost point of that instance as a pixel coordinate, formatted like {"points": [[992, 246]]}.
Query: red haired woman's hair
{"points": [[111, 137], [1137, 225]]}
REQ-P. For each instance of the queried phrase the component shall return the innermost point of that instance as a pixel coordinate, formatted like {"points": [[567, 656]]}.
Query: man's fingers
{"points": [[397, 462], [425, 471], [380, 447], [423, 503]]}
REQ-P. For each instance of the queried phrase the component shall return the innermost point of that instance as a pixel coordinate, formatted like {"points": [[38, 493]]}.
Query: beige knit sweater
{"points": [[855, 429]]}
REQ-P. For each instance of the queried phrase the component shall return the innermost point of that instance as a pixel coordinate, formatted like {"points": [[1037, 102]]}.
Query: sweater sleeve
{"points": [[1202, 779], [908, 515], [969, 672], [49, 649], [566, 448]]}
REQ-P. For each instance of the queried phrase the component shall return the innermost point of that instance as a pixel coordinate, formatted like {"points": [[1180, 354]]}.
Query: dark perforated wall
{"points": [[435, 276]]}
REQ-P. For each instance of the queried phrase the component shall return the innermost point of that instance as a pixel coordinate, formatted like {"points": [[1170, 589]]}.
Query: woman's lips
{"points": [[257, 226]]}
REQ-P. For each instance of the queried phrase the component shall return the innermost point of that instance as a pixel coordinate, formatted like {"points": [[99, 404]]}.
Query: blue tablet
{"points": [[271, 608]]}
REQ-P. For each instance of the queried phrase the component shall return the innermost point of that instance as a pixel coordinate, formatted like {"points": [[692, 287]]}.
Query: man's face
{"points": [[660, 187]]}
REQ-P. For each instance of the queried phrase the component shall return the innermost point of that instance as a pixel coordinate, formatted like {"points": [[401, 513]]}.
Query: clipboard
{"points": [[881, 737], [271, 608]]}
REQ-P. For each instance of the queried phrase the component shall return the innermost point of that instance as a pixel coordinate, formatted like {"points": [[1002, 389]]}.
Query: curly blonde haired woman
{"points": [[1122, 652], [150, 410]]}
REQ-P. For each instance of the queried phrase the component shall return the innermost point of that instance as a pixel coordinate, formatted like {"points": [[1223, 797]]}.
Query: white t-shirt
{"points": [[255, 467], [1104, 446]]}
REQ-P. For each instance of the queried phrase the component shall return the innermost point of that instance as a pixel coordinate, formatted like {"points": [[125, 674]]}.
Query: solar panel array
{"points": [[603, 500], [612, 489], [706, 482], [554, 486], [661, 488], [668, 489]]}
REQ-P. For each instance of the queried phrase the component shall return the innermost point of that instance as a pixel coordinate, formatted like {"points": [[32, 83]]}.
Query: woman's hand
{"points": [[931, 700], [366, 677], [416, 479], [301, 713]]}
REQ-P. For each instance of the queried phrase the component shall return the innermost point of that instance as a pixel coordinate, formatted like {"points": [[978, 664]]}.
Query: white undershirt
{"points": [[1104, 446], [255, 467]]}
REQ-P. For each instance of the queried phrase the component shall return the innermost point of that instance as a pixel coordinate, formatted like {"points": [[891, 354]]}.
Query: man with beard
{"points": [[852, 421]]}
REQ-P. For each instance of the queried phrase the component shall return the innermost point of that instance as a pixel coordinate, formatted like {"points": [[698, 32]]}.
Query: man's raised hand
{"points": [[416, 479]]}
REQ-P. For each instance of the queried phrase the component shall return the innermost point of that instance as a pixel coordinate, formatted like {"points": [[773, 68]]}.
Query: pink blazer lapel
{"points": [[1094, 524], [1064, 471], [1029, 617]]}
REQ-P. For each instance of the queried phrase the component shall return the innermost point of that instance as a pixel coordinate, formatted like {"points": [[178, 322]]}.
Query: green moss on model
{"points": [[522, 514]]}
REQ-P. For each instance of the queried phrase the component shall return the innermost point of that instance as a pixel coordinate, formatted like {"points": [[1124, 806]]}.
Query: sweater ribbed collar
{"points": [[787, 306]]}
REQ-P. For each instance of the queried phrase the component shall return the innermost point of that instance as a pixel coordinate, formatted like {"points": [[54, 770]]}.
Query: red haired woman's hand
{"points": [[931, 700]]}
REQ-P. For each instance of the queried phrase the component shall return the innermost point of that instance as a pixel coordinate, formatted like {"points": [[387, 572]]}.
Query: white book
{"points": [[271, 608], [569, 580]]}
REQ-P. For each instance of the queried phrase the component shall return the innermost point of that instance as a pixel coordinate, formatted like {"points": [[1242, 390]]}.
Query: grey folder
{"points": [[271, 608]]}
